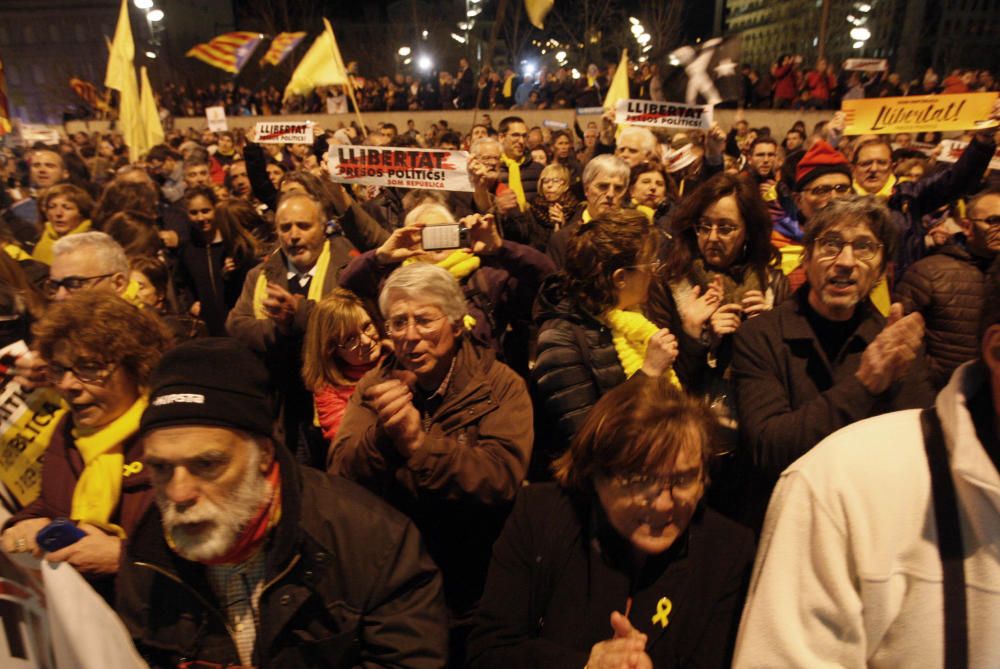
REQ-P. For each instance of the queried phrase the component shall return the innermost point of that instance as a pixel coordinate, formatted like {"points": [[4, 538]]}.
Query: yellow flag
{"points": [[618, 90], [150, 115], [121, 77], [537, 11], [321, 66]]}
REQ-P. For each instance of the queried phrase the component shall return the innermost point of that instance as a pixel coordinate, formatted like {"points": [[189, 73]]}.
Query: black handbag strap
{"points": [[956, 640]]}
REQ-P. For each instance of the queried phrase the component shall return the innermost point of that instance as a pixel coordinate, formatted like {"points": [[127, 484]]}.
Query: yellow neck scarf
{"points": [[43, 249], [16, 252], [646, 211], [99, 488], [586, 217], [508, 87], [514, 179], [884, 193], [315, 292], [630, 333]]}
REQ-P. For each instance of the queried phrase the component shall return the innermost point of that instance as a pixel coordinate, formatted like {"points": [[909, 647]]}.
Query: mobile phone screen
{"points": [[437, 237]]}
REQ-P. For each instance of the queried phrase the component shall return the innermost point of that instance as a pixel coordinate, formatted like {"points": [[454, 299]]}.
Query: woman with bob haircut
{"points": [[342, 344], [100, 351], [65, 210], [619, 563], [553, 206]]}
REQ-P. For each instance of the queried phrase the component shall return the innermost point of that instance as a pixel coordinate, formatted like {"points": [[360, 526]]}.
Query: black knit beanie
{"points": [[211, 381]]}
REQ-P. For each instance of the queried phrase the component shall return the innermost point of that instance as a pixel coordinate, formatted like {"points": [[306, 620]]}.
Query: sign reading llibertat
{"points": [[663, 114], [408, 168], [284, 132], [924, 113]]}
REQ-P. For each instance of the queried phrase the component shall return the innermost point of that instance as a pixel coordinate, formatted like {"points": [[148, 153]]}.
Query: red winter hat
{"points": [[819, 160]]}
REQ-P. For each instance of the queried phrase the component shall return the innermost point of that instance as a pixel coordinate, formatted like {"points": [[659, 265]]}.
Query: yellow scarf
{"points": [[586, 217], [591, 80], [16, 252], [884, 193], [43, 249], [315, 292], [99, 488], [508, 87], [630, 333], [514, 179], [646, 211]]}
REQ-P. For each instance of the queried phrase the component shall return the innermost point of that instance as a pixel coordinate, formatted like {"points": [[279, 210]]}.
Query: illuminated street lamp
{"points": [[155, 15]]}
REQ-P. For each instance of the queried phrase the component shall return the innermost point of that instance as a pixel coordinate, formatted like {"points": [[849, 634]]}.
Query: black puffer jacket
{"points": [[947, 289], [576, 364]]}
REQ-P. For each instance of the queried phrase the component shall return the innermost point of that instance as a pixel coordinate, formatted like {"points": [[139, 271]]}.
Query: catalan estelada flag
{"points": [[281, 46], [4, 108], [227, 52]]}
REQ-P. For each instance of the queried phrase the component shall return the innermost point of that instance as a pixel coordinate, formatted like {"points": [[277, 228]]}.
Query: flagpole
{"points": [[335, 52]]}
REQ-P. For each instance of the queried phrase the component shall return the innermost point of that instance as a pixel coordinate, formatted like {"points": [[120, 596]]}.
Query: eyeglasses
{"points": [[556, 181], [424, 325], [87, 371], [819, 191], [990, 221], [353, 343], [865, 164], [643, 489], [72, 283], [831, 247], [723, 228]]}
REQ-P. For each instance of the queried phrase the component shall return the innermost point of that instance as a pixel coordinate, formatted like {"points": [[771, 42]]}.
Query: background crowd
{"points": [[647, 328], [788, 83]]}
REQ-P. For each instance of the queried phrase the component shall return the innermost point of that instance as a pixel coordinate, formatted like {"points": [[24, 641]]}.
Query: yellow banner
{"points": [[28, 420], [924, 113]]}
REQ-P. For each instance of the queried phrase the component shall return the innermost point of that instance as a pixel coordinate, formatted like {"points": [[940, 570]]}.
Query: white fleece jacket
{"points": [[848, 573]]}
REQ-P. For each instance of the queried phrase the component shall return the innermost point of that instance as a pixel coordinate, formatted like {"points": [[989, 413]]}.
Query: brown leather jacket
{"points": [[459, 486]]}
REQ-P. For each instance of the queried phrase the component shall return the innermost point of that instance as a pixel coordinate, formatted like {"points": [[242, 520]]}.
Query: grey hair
{"points": [[109, 252], [646, 137], [427, 283], [865, 209], [428, 207], [474, 149], [605, 165]]}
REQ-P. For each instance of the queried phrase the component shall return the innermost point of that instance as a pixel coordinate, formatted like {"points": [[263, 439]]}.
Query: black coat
{"points": [[202, 273], [559, 570], [790, 396], [576, 365], [347, 582]]}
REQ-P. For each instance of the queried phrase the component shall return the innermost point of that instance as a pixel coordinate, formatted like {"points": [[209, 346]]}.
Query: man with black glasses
{"points": [[827, 357], [87, 260]]}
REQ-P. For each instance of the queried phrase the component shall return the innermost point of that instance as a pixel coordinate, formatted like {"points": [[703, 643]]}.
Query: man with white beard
{"points": [[249, 559]]}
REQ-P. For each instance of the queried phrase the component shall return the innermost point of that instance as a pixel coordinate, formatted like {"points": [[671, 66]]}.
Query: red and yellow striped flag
{"points": [[227, 52], [281, 46]]}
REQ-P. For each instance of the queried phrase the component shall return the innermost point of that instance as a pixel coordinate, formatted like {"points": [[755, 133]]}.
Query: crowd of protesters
{"points": [[293, 436], [786, 84]]}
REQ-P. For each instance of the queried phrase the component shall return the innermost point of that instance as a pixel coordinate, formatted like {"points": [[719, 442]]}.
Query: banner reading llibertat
{"points": [[284, 132], [430, 169], [924, 113], [663, 114]]}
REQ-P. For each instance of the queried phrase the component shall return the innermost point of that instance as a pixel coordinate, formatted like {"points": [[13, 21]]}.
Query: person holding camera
{"points": [[499, 278]]}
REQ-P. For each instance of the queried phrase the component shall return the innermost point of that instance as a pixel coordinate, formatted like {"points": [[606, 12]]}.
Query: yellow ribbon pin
{"points": [[663, 609], [131, 468]]}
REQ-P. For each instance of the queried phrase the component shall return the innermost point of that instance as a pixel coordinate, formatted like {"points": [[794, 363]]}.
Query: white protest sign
{"points": [[216, 117], [952, 150], [555, 125], [36, 132], [663, 114], [429, 169], [589, 111], [285, 132], [866, 64]]}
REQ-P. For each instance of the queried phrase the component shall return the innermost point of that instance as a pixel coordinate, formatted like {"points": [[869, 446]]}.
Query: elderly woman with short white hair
{"points": [[440, 429]]}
